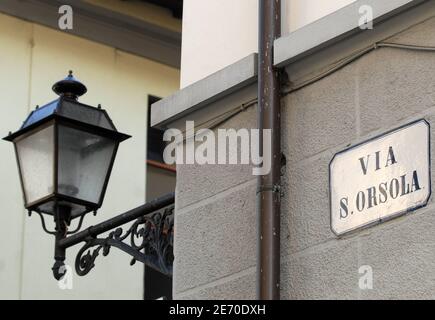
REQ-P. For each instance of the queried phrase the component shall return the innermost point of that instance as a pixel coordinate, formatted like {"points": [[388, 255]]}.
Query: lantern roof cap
{"points": [[70, 87], [69, 108]]}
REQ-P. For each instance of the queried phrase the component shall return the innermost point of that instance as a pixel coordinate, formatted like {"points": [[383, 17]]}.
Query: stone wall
{"points": [[215, 246]]}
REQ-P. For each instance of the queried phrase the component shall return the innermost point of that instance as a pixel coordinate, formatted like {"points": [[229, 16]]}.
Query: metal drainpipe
{"points": [[268, 187]]}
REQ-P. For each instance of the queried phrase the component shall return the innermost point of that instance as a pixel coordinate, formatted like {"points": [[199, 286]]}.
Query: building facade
{"points": [[347, 83], [125, 53], [218, 33]]}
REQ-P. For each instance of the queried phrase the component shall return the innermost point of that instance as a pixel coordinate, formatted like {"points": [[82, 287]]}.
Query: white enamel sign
{"points": [[381, 178]]}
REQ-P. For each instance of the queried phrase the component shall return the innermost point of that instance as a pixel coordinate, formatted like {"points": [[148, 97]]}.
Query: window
{"points": [[160, 181], [156, 145]]}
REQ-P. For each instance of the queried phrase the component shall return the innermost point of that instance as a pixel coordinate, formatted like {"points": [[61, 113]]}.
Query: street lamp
{"points": [[65, 151]]}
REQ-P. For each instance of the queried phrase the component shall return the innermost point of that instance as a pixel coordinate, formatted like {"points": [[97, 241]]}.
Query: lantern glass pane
{"points": [[36, 161], [84, 162]]}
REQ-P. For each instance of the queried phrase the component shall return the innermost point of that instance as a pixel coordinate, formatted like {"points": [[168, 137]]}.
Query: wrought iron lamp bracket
{"points": [[149, 240]]}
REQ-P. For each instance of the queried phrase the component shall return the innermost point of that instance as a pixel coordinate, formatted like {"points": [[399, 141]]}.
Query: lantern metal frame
{"points": [[63, 112], [154, 220]]}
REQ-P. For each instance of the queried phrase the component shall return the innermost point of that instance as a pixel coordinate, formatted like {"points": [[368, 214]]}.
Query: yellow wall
{"points": [[32, 58]]}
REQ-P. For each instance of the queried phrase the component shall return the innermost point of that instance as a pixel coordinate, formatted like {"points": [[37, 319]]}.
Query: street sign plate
{"points": [[380, 179]]}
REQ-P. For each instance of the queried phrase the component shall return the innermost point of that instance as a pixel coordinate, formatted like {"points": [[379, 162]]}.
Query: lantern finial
{"points": [[70, 87]]}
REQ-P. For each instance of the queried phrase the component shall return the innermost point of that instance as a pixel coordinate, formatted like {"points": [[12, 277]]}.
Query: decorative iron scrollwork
{"points": [[150, 241]]}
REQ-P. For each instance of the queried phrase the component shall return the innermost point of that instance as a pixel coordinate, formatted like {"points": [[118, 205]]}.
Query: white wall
{"points": [[217, 33], [298, 13], [32, 58]]}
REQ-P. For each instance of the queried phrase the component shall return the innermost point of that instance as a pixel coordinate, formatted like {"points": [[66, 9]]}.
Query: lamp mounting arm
{"points": [[148, 240]]}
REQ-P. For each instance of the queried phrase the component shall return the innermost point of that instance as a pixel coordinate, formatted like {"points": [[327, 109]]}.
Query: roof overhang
{"points": [[104, 26], [176, 6]]}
